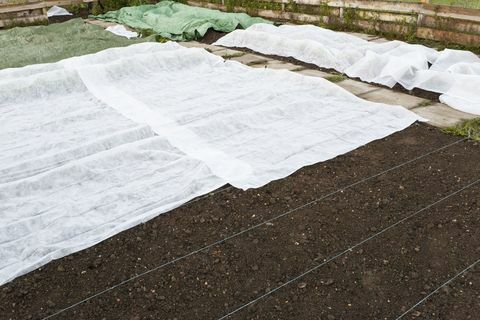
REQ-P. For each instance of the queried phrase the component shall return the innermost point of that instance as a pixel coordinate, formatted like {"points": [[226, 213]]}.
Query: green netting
{"points": [[42, 44], [177, 21]]}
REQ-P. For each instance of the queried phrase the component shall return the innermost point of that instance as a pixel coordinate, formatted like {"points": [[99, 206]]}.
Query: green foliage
{"points": [[336, 78], [324, 9], [230, 4], [457, 3], [77, 7], [410, 30], [232, 55], [103, 6], [255, 4], [469, 129], [425, 103], [349, 18], [291, 6], [149, 33], [15, 23]]}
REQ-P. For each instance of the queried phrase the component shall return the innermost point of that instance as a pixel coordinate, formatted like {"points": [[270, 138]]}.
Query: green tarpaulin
{"points": [[42, 44], [177, 21]]}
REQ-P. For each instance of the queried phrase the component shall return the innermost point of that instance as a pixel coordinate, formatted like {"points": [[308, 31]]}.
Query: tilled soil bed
{"points": [[418, 228]]}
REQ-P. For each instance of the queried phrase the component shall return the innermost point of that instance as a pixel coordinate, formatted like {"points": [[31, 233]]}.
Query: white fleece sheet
{"points": [[93, 145], [453, 73], [57, 11], [120, 30]]}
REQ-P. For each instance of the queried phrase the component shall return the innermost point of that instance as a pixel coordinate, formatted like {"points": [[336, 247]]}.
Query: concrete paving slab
{"points": [[356, 87], [441, 115], [195, 44], [379, 40], [363, 36], [228, 53], [250, 59], [314, 73], [103, 24], [276, 64], [191, 44], [388, 96]]}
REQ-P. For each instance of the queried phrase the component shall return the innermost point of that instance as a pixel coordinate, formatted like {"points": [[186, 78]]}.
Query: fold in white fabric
{"points": [[453, 73], [93, 145], [120, 30]]}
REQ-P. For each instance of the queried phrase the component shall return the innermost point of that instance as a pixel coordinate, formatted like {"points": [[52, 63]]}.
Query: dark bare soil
{"points": [[379, 279], [211, 36], [459, 300]]}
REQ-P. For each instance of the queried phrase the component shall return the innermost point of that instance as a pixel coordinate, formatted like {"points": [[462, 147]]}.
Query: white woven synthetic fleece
{"points": [[453, 73], [120, 30], [57, 11], [93, 145]]}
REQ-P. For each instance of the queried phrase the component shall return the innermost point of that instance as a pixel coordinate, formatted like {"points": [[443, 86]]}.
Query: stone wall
{"points": [[408, 20], [26, 12]]}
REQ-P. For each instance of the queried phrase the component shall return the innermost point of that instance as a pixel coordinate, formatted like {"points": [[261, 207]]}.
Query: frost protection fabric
{"points": [[57, 11], [22, 46], [176, 21], [454, 74], [120, 30], [334, 50], [93, 145]]}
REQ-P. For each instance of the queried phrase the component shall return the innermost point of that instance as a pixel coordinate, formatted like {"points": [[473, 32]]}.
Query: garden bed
{"points": [[381, 278]]}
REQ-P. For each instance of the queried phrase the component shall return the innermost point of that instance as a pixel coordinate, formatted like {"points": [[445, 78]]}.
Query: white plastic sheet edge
{"points": [[120, 30], [57, 11]]}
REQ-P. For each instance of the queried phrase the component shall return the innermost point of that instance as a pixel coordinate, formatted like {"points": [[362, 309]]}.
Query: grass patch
{"points": [[336, 78], [469, 129], [425, 103], [104, 6], [145, 33], [457, 3], [232, 55]]}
